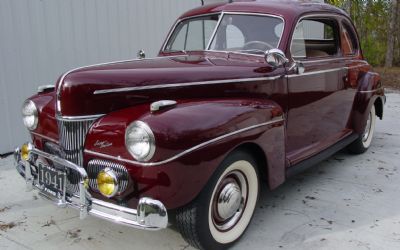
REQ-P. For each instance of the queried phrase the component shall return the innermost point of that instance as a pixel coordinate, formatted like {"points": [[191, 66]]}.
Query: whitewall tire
{"points": [[362, 144], [222, 212]]}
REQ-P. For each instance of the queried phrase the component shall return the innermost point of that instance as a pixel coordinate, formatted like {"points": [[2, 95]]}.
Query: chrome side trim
{"points": [[316, 72], [323, 59], [327, 71], [174, 85], [45, 137], [273, 121]]}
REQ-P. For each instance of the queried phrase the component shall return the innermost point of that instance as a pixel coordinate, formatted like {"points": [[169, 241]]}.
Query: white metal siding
{"points": [[40, 39]]}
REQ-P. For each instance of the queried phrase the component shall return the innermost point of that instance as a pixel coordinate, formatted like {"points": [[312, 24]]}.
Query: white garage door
{"points": [[40, 39]]}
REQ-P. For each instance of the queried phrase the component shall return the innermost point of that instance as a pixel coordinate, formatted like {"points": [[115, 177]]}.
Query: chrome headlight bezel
{"points": [[32, 112], [150, 139]]}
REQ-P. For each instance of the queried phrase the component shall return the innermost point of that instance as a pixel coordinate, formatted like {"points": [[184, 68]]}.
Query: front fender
{"points": [[211, 129], [188, 124]]}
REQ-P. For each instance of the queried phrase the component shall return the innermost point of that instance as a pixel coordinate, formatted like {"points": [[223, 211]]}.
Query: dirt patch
{"points": [[2, 210], [73, 234], [390, 77], [49, 223], [311, 198], [7, 226]]}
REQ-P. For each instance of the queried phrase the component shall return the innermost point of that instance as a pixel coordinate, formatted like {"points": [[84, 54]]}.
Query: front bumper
{"points": [[149, 215]]}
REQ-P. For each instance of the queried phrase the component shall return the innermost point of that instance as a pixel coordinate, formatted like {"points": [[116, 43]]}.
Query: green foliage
{"points": [[371, 18]]}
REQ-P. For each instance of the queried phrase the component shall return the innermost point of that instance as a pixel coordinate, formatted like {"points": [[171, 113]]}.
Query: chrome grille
{"points": [[72, 135], [95, 166]]}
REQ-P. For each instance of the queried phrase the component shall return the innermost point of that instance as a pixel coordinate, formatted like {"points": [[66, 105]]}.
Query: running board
{"points": [[323, 155]]}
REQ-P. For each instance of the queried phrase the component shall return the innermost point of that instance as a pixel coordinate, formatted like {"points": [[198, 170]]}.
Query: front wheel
{"points": [[223, 210], [362, 144]]}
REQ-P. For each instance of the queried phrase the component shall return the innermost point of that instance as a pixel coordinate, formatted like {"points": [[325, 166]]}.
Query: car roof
{"points": [[288, 9]]}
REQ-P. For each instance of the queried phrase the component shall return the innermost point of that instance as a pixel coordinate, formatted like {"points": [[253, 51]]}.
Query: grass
{"points": [[390, 77]]}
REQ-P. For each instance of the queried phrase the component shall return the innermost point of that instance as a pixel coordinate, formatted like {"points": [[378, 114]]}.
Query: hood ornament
{"points": [[141, 54]]}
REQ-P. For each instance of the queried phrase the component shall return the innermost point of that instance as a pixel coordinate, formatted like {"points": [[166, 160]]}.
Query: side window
{"points": [[193, 35], [349, 40], [199, 33], [234, 37], [315, 38]]}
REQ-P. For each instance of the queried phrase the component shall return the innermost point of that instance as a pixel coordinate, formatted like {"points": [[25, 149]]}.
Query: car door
{"points": [[319, 100]]}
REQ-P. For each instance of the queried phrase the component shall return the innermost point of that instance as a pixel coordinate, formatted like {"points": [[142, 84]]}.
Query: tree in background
{"points": [[391, 34], [396, 57], [373, 19]]}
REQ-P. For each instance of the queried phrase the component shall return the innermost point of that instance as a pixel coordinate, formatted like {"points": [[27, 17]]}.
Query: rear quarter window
{"points": [[349, 40]]}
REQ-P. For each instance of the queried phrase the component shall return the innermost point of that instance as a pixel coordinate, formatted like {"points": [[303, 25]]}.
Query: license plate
{"points": [[52, 179]]}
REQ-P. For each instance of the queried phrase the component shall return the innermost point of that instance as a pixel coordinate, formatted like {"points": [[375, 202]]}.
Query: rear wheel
{"points": [[362, 144], [223, 210]]}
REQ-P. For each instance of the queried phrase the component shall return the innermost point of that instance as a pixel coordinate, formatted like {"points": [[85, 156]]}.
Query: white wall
{"points": [[40, 39]]}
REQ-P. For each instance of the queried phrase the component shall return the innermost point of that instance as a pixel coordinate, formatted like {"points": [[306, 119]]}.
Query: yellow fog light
{"points": [[107, 182], [25, 151]]}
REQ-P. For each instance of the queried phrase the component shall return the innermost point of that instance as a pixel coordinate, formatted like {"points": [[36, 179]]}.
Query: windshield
{"points": [[244, 33]]}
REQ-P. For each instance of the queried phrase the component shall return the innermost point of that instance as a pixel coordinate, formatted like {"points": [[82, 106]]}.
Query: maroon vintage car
{"points": [[241, 92]]}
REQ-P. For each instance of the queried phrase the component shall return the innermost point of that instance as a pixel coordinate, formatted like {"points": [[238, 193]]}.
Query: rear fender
{"points": [[370, 92]]}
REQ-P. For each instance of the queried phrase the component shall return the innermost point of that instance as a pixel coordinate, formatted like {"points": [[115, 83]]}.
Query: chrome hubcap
{"points": [[367, 129], [229, 201]]}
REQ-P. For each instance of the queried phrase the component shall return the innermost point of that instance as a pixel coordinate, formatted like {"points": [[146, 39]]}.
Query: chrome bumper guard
{"points": [[149, 215]]}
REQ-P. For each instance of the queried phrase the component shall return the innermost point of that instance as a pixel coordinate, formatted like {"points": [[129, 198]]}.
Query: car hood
{"points": [[100, 89]]}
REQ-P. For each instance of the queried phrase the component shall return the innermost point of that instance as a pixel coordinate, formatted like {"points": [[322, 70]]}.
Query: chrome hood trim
{"points": [[187, 84]]}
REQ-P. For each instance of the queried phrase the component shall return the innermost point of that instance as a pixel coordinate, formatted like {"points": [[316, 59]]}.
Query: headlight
{"points": [[107, 182], [30, 115], [139, 140]]}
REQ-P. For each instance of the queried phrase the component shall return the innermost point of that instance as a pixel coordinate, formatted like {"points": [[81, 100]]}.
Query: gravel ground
{"points": [[345, 202]]}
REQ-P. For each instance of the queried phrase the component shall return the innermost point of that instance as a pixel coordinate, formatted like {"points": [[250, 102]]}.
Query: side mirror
{"points": [[275, 58], [141, 54]]}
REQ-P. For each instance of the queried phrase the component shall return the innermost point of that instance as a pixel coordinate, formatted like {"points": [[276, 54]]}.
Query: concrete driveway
{"points": [[345, 202]]}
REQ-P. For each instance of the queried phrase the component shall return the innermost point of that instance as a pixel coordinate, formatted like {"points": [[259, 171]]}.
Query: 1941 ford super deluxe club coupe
{"points": [[240, 92]]}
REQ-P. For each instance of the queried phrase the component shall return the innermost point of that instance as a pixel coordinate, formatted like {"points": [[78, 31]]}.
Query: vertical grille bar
{"points": [[72, 134], [72, 138]]}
